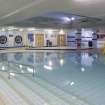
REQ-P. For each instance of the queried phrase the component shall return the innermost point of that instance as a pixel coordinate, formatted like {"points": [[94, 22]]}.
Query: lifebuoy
{"points": [[3, 39], [18, 39]]}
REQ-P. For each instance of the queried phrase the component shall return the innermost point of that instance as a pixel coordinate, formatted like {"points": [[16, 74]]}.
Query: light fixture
{"points": [[73, 18], [61, 32], [21, 29], [31, 29], [30, 69], [66, 19]]}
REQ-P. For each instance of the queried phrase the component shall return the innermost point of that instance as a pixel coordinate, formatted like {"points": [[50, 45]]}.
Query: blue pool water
{"points": [[53, 78]]}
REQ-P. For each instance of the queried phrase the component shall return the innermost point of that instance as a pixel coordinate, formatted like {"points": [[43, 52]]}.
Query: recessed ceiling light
{"points": [[73, 18]]}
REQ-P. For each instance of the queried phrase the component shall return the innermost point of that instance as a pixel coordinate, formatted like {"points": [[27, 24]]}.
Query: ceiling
{"points": [[57, 20], [44, 12]]}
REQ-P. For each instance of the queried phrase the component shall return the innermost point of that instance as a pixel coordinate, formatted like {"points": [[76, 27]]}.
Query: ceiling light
{"points": [[61, 32], [21, 29], [66, 19], [31, 29], [73, 18]]}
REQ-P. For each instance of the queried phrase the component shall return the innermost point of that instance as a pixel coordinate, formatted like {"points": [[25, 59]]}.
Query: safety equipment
{"points": [[3, 39], [18, 39]]}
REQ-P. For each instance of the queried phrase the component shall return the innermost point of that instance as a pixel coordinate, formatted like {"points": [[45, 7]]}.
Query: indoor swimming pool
{"points": [[52, 78]]}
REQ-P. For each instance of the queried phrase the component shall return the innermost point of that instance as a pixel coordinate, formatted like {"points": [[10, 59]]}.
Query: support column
{"points": [[78, 39], [94, 40]]}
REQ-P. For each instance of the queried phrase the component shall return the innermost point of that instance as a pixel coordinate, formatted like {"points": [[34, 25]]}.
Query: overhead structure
{"points": [[12, 11]]}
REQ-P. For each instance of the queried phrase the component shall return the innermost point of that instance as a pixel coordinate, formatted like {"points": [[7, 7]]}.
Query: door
{"points": [[61, 40], [39, 40]]}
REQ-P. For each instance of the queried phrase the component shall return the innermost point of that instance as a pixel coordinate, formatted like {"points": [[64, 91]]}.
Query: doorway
{"points": [[39, 40], [61, 40]]}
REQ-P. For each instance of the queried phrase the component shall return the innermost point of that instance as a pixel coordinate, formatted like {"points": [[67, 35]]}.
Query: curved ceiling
{"points": [[16, 10]]}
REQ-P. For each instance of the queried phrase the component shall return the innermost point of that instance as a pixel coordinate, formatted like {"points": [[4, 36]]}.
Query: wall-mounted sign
{"points": [[10, 35], [31, 37]]}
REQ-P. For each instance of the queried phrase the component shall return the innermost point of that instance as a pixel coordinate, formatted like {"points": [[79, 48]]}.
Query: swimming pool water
{"points": [[52, 78]]}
